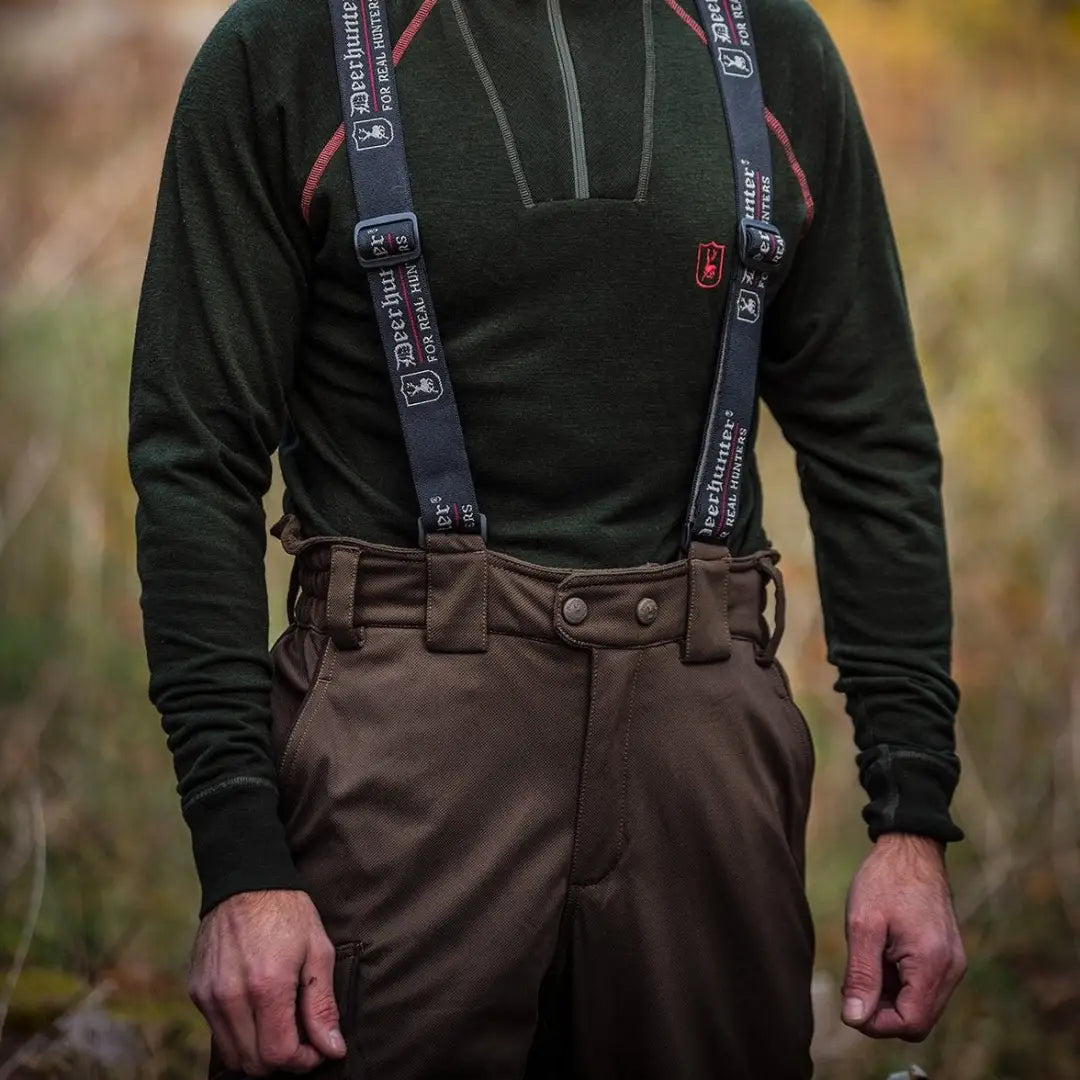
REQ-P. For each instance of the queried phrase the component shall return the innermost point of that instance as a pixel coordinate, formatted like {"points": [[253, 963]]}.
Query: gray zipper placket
{"points": [[573, 100]]}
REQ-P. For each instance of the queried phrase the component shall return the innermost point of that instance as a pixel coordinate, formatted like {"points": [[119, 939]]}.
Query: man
{"points": [[531, 801]]}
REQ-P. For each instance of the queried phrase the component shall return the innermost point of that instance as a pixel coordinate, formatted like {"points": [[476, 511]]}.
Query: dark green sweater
{"points": [[581, 341]]}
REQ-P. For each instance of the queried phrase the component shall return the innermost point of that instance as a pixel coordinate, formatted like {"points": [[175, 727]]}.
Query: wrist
{"points": [[911, 848], [911, 841]]}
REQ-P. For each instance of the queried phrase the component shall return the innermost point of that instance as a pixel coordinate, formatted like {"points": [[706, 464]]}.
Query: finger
{"points": [[899, 1022], [274, 1003], [223, 1053], [887, 1023], [917, 1004], [222, 1049], [230, 1002], [318, 1009], [890, 983], [866, 936]]}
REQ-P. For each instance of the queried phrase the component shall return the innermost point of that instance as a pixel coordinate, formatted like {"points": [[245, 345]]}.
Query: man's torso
{"points": [[581, 333]]}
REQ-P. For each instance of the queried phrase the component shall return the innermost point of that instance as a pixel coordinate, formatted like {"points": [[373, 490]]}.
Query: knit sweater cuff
{"points": [[910, 792], [238, 840]]}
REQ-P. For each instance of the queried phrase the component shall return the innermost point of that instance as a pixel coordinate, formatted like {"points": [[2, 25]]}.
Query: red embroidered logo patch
{"points": [[710, 264]]}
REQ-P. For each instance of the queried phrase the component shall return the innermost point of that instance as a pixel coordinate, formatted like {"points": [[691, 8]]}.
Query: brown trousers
{"points": [[553, 820]]}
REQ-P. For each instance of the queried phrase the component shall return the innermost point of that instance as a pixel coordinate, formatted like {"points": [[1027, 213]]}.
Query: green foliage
{"points": [[43, 994]]}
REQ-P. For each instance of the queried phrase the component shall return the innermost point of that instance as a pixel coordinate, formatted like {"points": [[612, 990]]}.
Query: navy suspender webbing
{"points": [[715, 500], [387, 244]]}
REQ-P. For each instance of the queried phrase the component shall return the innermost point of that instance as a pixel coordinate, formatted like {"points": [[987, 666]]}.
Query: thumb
{"points": [[318, 1009], [862, 976]]}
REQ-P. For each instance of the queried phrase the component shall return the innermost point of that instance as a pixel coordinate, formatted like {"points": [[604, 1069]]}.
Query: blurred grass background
{"points": [[974, 107]]}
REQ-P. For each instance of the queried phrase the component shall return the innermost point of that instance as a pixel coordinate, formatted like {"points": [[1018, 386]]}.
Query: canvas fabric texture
{"points": [[553, 821]]}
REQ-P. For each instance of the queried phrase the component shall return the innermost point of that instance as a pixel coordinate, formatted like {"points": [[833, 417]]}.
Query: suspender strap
{"points": [[387, 241], [715, 500]]}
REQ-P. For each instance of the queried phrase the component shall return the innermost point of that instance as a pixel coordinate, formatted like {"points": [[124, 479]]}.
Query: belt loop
{"points": [[767, 565], [457, 593], [287, 530], [708, 632], [341, 597]]}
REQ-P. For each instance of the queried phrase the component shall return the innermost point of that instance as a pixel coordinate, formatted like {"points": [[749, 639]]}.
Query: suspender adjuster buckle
{"points": [[761, 244], [387, 241]]}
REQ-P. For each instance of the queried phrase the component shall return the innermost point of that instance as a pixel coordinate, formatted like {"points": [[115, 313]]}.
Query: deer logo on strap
{"points": [[372, 134], [421, 387], [736, 62], [749, 310]]}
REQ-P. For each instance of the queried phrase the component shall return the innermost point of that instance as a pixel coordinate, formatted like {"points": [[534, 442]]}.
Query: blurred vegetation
{"points": [[975, 111]]}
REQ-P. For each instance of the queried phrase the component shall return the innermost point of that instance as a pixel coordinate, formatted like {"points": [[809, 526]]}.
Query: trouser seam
{"points": [[620, 848], [583, 778]]}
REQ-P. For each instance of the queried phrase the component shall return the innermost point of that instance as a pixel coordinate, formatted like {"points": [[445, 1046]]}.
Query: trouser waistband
{"points": [[460, 592]]}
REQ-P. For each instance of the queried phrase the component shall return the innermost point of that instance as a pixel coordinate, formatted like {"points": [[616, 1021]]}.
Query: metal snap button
{"points": [[575, 611], [647, 610]]}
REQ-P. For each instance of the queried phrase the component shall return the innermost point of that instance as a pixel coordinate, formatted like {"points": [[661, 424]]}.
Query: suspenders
{"points": [[388, 246], [715, 500], [387, 241]]}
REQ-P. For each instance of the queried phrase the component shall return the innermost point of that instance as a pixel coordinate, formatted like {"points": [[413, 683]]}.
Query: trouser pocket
{"points": [[347, 989], [303, 663], [800, 727]]}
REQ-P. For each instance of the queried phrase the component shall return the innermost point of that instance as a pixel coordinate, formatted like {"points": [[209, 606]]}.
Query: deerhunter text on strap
{"points": [[387, 244], [387, 241], [714, 504]]}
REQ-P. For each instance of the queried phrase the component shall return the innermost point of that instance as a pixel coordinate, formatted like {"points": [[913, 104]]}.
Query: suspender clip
{"points": [[387, 241], [761, 245]]}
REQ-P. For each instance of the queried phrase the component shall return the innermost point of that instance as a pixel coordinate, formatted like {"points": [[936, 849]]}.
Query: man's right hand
{"points": [[261, 962]]}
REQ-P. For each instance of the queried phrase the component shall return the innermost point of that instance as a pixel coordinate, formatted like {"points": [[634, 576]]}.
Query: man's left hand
{"points": [[905, 956]]}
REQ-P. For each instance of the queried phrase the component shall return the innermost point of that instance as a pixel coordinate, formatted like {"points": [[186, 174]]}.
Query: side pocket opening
{"points": [[798, 717], [324, 670], [347, 972]]}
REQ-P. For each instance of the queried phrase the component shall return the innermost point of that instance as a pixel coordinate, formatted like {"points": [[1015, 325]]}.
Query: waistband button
{"points": [[575, 611], [647, 610]]}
